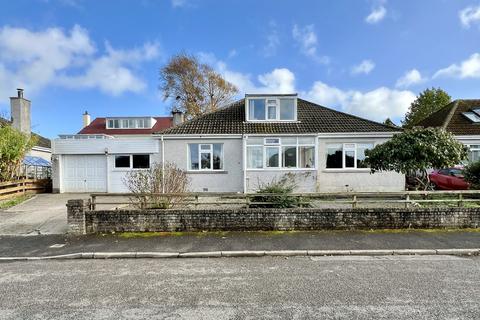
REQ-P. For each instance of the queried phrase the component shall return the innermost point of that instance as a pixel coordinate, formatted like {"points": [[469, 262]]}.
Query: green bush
{"points": [[472, 174], [279, 194]]}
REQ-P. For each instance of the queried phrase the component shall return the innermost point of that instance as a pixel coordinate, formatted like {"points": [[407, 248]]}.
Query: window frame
{"points": [[130, 123], [267, 105], [209, 151], [280, 146], [130, 167], [347, 146]]}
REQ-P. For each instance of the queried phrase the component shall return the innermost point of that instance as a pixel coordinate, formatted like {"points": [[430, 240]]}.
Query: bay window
{"points": [[281, 153], [205, 156], [347, 155]]}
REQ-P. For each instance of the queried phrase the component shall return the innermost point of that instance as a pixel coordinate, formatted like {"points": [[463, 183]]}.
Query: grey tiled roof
{"points": [[312, 118], [451, 118]]}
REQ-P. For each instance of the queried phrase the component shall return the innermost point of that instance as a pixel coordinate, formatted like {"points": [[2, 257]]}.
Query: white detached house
{"points": [[234, 149]]}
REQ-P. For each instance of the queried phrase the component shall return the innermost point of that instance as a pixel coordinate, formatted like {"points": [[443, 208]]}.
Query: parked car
{"points": [[448, 179]]}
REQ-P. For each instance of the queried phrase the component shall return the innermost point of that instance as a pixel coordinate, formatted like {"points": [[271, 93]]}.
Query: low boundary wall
{"points": [[83, 220]]}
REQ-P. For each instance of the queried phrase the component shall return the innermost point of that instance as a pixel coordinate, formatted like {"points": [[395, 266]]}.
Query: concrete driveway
{"points": [[43, 214]]}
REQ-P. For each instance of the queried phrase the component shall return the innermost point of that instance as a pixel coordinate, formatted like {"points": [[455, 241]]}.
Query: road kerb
{"points": [[246, 253]]}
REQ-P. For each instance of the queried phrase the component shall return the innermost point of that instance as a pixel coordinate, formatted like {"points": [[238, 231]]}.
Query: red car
{"points": [[448, 179]]}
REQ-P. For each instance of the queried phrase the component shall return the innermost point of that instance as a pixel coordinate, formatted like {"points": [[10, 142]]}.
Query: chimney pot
{"points": [[178, 117], [86, 119], [20, 112]]}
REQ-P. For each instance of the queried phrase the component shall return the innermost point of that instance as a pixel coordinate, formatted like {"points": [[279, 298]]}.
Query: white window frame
{"points": [[470, 149], [347, 147], [210, 151], [277, 110], [131, 162], [130, 123], [278, 144]]}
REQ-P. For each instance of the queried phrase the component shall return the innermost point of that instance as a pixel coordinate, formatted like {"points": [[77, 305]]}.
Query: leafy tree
{"points": [[415, 151], [389, 122], [427, 102], [195, 87], [13, 146], [472, 174]]}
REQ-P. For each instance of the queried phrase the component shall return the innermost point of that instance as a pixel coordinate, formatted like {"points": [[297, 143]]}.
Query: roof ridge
{"points": [[351, 115], [452, 104], [448, 118]]}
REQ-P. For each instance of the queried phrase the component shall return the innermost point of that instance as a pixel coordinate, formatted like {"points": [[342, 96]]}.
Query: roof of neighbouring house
{"points": [[99, 126], [452, 119], [41, 141], [311, 118]]}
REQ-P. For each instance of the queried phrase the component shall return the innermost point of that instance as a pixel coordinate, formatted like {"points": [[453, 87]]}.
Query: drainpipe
{"points": [[244, 162], [163, 164]]}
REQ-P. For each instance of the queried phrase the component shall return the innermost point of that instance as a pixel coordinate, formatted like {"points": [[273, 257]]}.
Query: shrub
{"points": [[279, 191], [148, 185], [472, 174], [13, 146]]}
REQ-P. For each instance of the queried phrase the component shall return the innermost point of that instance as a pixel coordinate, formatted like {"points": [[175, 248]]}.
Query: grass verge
{"points": [[5, 204]]}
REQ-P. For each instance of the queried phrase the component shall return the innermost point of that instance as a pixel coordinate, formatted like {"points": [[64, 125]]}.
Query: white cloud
{"points": [[111, 74], [36, 59], [378, 14], [365, 67], [410, 78], [469, 15], [308, 42], [469, 68], [278, 81], [272, 40], [377, 104], [178, 3]]}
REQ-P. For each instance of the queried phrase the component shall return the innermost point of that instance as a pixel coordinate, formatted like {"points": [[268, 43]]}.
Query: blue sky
{"points": [[366, 57]]}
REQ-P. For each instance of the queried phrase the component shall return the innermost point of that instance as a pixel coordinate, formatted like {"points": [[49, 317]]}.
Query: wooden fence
{"points": [[353, 199], [11, 189]]}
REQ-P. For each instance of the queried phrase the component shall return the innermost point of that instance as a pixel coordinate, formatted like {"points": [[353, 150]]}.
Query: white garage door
{"points": [[86, 173]]}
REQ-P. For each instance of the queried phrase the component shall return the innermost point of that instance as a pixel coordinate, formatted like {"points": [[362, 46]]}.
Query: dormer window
{"points": [[271, 108], [130, 123]]}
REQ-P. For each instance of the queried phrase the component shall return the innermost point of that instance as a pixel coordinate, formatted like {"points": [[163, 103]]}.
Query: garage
{"points": [[84, 173]]}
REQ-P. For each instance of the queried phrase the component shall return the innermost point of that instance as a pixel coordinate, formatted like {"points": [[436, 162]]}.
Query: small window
{"points": [[287, 109], [256, 109], [122, 161], [334, 156], [306, 157], [141, 161], [272, 141], [194, 161], [361, 163], [272, 157], [255, 157], [289, 157]]}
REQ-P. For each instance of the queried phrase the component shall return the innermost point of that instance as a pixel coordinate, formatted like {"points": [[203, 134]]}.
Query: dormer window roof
{"points": [[271, 108], [130, 123]]}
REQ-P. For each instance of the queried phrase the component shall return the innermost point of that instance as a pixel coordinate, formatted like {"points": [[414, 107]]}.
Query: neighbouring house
{"points": [[235, 149], [462, 119], [39, 157]]}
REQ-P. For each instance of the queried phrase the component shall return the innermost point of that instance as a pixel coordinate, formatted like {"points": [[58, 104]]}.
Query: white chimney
{"points": [[178, 117], [20, 111], [86, 119]]}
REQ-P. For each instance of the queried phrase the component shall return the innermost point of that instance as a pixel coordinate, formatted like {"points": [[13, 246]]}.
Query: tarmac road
{"points": [[384, 287]]}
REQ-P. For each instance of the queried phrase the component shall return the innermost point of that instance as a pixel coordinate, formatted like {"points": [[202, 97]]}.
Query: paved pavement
{"points": [[43, 214], [46, 245], [426, 287]]}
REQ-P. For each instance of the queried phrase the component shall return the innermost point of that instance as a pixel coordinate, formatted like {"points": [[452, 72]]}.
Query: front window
{"points": [[205, 156], [271, 109], [347, 155], [134, 161], [130, 123], [284, 153]]}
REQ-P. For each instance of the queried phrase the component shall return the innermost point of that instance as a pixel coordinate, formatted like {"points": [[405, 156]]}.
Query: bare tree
{"points": [[195, 87], [148, 185]]}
